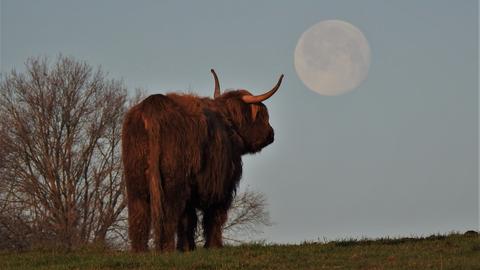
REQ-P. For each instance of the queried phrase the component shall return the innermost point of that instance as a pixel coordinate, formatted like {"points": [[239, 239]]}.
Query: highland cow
{"points": [[183, 153]]}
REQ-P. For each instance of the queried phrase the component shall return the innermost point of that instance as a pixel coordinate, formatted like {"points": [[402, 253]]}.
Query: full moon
{"points": [[332, 57]]}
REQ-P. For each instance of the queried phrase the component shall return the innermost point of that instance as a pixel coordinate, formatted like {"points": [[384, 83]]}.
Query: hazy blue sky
{"points": [[398, 156]]}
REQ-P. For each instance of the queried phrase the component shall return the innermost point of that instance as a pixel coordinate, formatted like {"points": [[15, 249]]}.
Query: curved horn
{"points": [[217, 84], [262, 97]]}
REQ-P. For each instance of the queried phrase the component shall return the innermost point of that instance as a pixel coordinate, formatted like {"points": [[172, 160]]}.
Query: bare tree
{"points": [[60, 133], [60, 170], [247, 216]]}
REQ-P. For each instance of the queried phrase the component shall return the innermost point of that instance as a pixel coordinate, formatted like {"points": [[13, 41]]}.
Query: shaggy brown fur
{"points": [[182, 153]]}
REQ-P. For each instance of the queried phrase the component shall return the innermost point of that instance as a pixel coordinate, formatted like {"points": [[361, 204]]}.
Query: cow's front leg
{"points": [[213, 220]]}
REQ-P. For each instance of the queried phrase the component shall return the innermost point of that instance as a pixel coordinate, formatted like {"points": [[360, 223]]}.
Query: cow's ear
{"points": [[255, 108]]}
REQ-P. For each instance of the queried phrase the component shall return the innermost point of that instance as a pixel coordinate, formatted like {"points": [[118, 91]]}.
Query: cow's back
{"points": [[181, 135]]}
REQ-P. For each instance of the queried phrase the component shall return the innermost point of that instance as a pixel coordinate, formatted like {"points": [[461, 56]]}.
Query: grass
{"points": [[454, 251]]}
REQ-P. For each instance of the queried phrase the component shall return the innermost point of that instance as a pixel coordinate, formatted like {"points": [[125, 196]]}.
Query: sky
{"points": [[398, 156]]}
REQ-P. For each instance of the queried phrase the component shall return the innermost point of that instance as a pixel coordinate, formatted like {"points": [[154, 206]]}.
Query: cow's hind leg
{"points": [[173, 209], [167, 236], [186, 229], [134, 155], [138, 221], [165, 240], [213, 220]]}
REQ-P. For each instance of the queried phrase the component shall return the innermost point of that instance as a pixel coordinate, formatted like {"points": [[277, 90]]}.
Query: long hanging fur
{"points": [[154, 180]]}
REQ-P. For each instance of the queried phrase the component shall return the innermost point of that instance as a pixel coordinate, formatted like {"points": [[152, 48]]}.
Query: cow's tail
{"points": [[154, 180]]}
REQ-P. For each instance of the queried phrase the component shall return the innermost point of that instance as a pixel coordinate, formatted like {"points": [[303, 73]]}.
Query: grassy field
{"points": [[454, 251]]}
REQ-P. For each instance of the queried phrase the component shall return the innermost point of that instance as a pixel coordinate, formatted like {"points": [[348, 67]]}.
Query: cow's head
{"points": [[248, 115]]}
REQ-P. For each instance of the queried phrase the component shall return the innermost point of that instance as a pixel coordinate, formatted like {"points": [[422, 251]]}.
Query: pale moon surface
{"points": [[332, 57]]}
